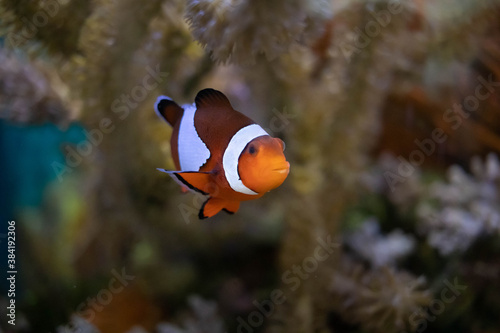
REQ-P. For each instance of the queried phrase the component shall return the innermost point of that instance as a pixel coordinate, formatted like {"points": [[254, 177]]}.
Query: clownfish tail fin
{"points": [[214, 205], [168, 110]]}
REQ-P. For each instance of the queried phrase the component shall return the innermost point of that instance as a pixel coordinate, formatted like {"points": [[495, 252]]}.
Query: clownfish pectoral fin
{"points": [[194, 180], [214, 205], [168, 110]]}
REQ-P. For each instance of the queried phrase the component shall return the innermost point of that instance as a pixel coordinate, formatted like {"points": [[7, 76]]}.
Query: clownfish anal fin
{"points": [[168, 110], [196, 181], [214, 205], [211, 98]]}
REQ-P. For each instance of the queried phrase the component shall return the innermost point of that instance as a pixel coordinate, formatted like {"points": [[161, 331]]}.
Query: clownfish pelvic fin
{"points": [[197, 181], [214, 205]]}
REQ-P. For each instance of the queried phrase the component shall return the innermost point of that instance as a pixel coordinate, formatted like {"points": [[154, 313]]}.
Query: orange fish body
{"points": [[221, 153]]}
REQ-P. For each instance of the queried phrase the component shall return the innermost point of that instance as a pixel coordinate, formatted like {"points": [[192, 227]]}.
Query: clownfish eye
{"points": [[252, 150]]}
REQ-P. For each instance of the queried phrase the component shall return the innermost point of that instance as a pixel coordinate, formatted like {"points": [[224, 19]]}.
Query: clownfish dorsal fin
{"points": [[168, 110], [211, 98]]}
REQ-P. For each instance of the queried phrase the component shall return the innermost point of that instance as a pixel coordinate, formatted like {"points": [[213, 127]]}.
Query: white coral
{"points": [[378, 249], [451, 229], [455, 213], [78, 325], [205, 318]]}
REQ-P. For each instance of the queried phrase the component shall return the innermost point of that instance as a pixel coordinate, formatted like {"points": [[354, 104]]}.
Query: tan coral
{"points": [[239, 30], [379, 300], [30, 93]]}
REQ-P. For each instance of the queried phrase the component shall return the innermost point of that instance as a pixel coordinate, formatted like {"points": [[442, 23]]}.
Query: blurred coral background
{"points": [[388, 222]]}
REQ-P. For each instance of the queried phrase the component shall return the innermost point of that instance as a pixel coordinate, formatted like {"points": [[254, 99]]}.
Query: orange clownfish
{"points": [[221, 153]]}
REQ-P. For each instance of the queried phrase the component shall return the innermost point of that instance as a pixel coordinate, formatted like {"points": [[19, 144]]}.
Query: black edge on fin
{"points": [[201, 214], [168, 110], [179, 179], [191, 187], [211, 98], [228, 211]]}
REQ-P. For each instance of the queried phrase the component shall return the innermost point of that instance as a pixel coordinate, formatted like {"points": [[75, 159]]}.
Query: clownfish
{"points": [[220, 152]]}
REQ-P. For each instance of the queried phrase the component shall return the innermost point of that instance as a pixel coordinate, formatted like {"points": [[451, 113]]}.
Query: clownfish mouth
{"points": [[283, 169]]}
